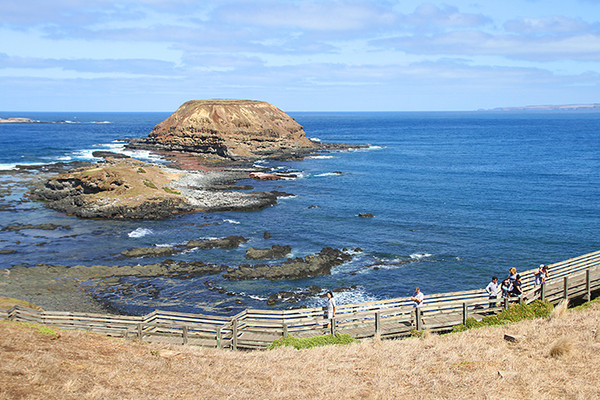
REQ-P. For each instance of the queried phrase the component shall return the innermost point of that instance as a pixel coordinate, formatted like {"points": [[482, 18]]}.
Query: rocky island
{"points": [[131, 189], [230, 131]]}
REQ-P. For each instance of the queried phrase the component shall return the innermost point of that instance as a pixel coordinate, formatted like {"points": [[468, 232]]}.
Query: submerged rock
{"points": [[229, 242], [276, 251], [45, 227], [149, 251], [309, 266], [365, 215]]}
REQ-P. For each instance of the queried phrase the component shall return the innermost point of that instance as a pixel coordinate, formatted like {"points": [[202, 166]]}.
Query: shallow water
{"points": [[460, 195]]}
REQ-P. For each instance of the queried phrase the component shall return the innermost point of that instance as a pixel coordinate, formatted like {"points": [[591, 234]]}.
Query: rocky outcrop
{"points": [[149, 252], [309, 266], [228, 129], [44, 227], [276, 251], [229, 242], [131, 189]]}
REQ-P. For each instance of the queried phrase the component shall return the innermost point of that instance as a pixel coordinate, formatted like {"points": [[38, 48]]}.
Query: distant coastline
{"points": [[559, 107]]}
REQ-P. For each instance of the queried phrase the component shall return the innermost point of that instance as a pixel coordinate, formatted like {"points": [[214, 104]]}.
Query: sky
{"points": [[344, 55]]}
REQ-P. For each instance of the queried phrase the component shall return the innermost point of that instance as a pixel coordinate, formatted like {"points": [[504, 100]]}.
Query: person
{"points": [[492, 289], [330, 308], [417, 298], [516, 286], [540, 276], [512, 275], [505, 287], [545, 274]]}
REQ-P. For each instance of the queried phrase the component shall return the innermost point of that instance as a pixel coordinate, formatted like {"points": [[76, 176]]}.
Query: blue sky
{"points": [[346, 55]]}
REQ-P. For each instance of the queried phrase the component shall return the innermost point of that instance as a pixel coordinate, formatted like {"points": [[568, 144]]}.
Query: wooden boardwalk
{"points": [[575, 278]]}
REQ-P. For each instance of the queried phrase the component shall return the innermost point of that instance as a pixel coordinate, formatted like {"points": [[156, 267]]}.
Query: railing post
{"points": [[506, 303], [140, 332], [543, 292], [418, 318], [184, 334], [234, 338], [333, 326], [377, 323], [566, 287], [464, 313], [285, 330], [588, 288], [219, 340]]}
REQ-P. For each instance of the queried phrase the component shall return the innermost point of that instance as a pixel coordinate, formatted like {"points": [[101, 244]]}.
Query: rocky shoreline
{"points": [[79, 288]]}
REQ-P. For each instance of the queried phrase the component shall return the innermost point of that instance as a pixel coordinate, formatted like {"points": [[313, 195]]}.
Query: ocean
{"points": [[456, 196]]}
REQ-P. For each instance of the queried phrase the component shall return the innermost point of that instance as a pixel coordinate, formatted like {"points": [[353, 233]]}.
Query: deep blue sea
{"points": [[461, 195]]}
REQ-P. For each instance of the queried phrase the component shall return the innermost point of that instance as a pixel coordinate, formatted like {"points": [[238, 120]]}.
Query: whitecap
{"points": [[100, 122], [329, 174], [231, 221], [420, 256], [315, 139], [320, 157], [139, 232]]}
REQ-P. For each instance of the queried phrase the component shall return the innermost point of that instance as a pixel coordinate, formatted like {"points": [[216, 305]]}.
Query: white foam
{"points": [[139, 232], [315, 139], [420, 256], [100, 122], [231, 221], [320, 157], [329, 174], [8, 166]]}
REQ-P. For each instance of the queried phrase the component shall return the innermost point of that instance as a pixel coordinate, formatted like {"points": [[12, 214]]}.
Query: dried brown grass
{"points": [[560, 310], [561, 347], [81, 365]]}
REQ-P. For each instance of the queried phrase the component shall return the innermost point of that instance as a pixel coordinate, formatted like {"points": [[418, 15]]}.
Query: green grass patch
{"points": [[41, 329], [587, 304], [515, 313], [169, 190], [310, 342], [141, 170], [150, 185]]}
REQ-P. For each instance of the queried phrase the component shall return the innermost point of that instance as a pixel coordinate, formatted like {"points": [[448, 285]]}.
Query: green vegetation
{"points": [[150, 185], [310, 342], [141, 170], [587, 304], [41, 329], [515, 313], [169, 190]]}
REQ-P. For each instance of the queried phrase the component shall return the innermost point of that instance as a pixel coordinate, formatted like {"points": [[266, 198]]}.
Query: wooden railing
{"points": [[575, 278]]}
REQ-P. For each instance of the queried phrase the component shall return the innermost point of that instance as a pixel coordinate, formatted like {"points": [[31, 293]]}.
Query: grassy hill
{"points": [[553, 359]]}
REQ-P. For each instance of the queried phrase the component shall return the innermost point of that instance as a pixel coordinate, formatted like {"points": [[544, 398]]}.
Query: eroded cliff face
{"points": [[229, 128]]}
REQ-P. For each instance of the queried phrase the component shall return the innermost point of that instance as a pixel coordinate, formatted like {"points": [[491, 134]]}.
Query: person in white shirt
{"points": [[417, 299], [330, 308], [492, 289]]}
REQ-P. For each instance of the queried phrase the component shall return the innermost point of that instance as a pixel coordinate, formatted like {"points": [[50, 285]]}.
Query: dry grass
{"points": [[81, 365], [561, 347], [560, 310]]}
